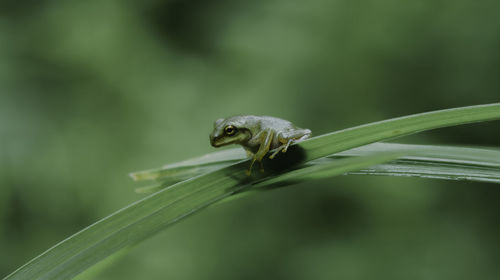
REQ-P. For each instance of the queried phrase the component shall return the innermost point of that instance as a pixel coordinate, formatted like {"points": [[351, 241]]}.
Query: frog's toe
{"points": [[261, 167], [284, 148], [274, 153], [249, 170]]}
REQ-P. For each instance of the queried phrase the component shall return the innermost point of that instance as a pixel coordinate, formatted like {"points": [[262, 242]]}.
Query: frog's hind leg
{"points": [[283, 148], [303, 137], [290, 138]]}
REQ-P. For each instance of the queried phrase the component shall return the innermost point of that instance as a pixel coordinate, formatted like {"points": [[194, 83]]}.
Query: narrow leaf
{"points": [[142, 219]]}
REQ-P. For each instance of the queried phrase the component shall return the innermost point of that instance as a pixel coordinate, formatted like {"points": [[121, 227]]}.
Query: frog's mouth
{"points": [[223, 140]]}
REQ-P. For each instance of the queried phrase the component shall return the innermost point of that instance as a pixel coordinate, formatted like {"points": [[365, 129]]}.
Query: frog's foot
{"points": [[282, 148], [287, 144], [293, 141], [249, 170], [275, 153]]}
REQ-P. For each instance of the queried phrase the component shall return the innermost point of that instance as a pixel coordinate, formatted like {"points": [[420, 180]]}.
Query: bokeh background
{"points": [[91, 90]]}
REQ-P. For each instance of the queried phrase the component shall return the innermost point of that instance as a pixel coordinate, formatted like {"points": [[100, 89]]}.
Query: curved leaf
{"points": [[147, 216]]}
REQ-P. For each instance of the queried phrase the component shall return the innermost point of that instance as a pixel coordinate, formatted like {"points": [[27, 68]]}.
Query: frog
{"points": [[257, 135]]}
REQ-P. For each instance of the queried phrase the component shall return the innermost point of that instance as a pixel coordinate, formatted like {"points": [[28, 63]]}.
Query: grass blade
{"points": [[426, 161], [142, 219], [342, 140], [434, 171]]}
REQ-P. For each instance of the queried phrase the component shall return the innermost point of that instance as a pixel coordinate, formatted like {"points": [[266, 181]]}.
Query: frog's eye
{"points": [[230, 130]]}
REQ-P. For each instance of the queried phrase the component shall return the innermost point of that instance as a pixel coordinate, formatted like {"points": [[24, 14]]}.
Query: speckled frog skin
{"points": [[257, 134]]}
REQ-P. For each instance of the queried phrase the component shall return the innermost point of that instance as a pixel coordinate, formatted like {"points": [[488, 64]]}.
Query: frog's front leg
{"points": [[265, 138], [288, 138]]}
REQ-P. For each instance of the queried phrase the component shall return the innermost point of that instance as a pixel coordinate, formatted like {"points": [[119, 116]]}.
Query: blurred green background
{"points": [[92, 90]]}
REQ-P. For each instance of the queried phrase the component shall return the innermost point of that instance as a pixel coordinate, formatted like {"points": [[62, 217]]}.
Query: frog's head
{"points": [[230, 131]]}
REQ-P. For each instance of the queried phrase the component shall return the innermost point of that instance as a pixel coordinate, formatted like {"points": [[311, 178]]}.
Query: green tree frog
{"points": [[258, 135]]}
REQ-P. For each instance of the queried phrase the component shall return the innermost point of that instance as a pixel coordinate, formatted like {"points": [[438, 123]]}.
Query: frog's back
{"points": [[276, 123], [262, 121]]}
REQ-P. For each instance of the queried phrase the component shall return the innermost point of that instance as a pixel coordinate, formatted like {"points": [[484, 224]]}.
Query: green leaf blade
{"points": [[153, 213], [384, 130]]}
